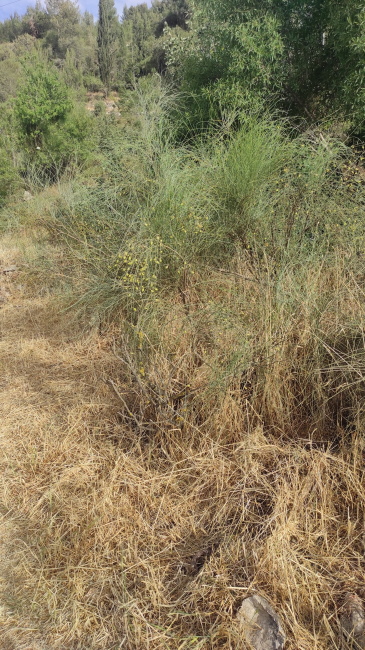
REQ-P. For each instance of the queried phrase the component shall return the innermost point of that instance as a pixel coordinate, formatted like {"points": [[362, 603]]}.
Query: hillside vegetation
{"points": [[182, 322]]}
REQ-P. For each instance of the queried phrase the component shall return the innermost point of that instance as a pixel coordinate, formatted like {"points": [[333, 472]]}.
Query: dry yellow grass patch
{"points": [[141, 521]]}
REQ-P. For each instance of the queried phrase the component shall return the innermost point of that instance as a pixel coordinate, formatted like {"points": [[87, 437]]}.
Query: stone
{"points": [[27, 196], [260, 625], [352, 620], [9, 269]]}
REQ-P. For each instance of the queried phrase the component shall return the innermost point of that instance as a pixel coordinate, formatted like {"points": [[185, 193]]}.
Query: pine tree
{"points": [[107, 36]]}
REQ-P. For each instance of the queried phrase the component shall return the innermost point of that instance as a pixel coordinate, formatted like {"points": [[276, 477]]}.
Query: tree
{"points": [[11, 28], [142, 36], [65, 29], [231, 60], [310, 54], [107, 41], [324, 64]]}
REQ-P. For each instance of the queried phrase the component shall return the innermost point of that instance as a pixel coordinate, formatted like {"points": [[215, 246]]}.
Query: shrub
{"points": [[70, 143], [9, 178], [99, 108], [93, 84], [160, 212], [42, 100]]}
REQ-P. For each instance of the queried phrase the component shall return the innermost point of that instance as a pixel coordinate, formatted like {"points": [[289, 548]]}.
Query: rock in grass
{"points": [[260, 625], [9, 269], [352, 621]]}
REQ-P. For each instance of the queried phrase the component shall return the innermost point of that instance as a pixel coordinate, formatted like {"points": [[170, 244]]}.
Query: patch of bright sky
{"points": [[8, 8]]}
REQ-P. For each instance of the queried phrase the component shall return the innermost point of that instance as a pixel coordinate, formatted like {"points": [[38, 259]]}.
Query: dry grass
{"points": [[139, 507]]}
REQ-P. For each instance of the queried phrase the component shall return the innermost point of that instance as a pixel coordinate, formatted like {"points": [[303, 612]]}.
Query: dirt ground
{"points": [[50, 385], [113, 539]]}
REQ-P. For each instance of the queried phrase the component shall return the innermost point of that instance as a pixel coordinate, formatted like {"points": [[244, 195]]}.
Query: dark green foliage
{"points": [[142, 48], [324, 56], [61, 29], [231, 60], [11, 28], [308, 55], [65, 145], [245, 54], [42, 100], [175, 13], [64, 29], [107, 37], [92, 83]]}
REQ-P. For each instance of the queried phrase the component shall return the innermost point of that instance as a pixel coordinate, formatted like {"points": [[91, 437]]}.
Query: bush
{"points": [[99, 108], [93, 84], [42, 100], [275, 187], [161, 212], [69, 144], [9, 179]]}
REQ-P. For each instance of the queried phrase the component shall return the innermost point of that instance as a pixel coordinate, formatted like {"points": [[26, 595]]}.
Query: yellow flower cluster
{"points": [[135, 270], [190, 223]]}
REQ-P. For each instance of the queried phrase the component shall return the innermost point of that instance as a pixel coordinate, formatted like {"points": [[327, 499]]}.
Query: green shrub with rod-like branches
{"points": [[162, 212]]}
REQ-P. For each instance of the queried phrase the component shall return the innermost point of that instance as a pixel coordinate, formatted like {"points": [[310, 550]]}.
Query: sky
{"points": [[8, 8]]}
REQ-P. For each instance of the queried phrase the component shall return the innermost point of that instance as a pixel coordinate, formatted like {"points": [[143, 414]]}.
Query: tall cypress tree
{"points": [[107, 37]]}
